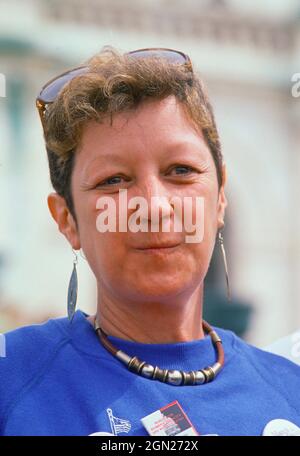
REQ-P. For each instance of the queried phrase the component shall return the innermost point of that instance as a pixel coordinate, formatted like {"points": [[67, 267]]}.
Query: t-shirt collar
{"points": [[190, 355]]}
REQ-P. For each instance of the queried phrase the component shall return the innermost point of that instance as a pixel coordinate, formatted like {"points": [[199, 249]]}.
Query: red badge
{"points": [[168, 421]]}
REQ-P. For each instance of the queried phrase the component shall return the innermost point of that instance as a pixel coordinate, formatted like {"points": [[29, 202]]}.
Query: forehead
{"points": [[152, 126]]}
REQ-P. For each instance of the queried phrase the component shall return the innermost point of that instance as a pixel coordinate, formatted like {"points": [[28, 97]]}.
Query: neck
{"points": [[176, 319]]}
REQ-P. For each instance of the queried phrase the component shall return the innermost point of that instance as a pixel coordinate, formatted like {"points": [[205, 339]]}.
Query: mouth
{"points": [[158, 248]]}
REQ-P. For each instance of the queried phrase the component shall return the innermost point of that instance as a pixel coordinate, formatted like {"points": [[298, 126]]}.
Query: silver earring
{"points": [[72, 289], [221, 242]]}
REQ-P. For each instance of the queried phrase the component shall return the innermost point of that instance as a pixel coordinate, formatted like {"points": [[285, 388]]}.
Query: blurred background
{"points": [[247, 53]]}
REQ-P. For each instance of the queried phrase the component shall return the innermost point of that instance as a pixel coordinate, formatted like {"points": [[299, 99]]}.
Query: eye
{"points": [[183, 170], [111, 181]]}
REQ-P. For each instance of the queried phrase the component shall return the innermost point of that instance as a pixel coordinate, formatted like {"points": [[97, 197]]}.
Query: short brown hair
{"points": [[116, 83]]}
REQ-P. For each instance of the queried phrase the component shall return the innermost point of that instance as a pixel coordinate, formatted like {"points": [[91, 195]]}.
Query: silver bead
{"points": [[215, 337], [216, 368], [123, 357], [147, 371], [174, 377], [200, 378]]}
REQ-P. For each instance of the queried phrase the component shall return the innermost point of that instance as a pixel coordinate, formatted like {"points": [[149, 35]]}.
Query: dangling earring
{"points": [[221, 242], [72, 290]]}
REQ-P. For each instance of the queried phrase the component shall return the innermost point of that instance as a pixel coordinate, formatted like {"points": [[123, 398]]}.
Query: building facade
{"points": [[247, 55]]}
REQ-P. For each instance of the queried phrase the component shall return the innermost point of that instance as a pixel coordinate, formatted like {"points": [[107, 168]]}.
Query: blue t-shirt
{"points": [[58, 379]]}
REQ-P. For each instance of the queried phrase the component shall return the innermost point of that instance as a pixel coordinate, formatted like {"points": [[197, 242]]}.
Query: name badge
{"points": [[168, 421]]}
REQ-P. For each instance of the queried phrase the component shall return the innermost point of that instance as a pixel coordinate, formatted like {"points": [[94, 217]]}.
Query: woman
{"points": [[138, 125]]}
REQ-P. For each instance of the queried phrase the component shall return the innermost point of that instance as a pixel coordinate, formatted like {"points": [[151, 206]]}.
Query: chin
{"points": [[156, 286]]}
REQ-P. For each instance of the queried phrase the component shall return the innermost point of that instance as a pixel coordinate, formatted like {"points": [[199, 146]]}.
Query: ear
{"points": [[222, 200], [64, 219]]}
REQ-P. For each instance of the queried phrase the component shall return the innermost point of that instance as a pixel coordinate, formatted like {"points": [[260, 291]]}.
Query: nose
{"points": [[156, 198]]}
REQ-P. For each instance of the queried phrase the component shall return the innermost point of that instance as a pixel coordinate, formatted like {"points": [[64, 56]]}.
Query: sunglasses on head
{"points": [[52, 88]]}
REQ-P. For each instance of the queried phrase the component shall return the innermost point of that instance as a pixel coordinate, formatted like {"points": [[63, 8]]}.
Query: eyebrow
{"points": [[116, 158], [197, 147], [122, 158], [103, 159]]}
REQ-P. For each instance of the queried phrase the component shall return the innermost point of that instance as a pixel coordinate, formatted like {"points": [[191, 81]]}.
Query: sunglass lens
{"points": [[173, 56], [51, 90]]}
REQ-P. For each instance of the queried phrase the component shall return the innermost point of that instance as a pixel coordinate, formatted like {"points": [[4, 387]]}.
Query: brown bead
{"points": [[209, 374], [165, 371], [154, 372], [134, 364], [188, 378], [193, 377], [160, 374], [142, 364]]}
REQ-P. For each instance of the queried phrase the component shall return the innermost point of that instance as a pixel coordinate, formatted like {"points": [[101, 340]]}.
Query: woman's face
{"points": [[151, 151]]}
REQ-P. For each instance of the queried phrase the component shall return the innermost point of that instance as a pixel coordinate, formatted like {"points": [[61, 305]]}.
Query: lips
{"points": [[158, 246]]}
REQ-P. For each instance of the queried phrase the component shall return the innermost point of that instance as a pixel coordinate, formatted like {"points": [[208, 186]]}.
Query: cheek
{"points": [[95, 243], [202, 238], [106, 255], [200, 211], [92, 216]]}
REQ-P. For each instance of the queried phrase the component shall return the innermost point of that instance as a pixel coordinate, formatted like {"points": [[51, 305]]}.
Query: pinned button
{"points": [[281, 428]]}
